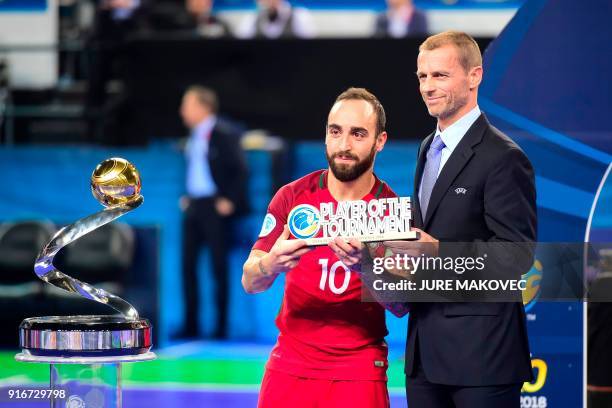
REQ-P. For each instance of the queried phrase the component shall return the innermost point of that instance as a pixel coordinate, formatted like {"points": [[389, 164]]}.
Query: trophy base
{"points": [[91, 337], [26, 357], [388, 236]]}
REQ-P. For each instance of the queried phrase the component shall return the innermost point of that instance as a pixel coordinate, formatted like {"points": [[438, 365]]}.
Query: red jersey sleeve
{"points": [[275, 219]]}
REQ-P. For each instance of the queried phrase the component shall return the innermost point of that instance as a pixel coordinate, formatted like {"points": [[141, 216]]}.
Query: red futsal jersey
{"points": [[326, 331]]}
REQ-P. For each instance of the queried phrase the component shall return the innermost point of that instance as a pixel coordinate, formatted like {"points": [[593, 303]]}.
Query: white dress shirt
{"points": [[199, 177], [399, 21]]}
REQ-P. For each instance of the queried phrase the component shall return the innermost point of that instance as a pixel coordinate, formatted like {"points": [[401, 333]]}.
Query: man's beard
{"points": [[350, 172]]}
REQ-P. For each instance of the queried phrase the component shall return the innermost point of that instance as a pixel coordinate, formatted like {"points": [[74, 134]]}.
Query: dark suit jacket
{"points": [[476, 344], [418, 25], [110, 32], [228, 165]]}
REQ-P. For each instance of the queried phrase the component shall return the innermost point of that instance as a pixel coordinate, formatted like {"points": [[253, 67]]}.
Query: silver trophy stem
{"points": [[46, 271], [94, 346]]}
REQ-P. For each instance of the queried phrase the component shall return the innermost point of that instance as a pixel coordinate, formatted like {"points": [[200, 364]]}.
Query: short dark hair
{"points": [[365, 95], [205, 96]]}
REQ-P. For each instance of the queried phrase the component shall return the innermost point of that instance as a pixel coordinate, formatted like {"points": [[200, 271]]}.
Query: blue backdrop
{"points": [[53, 183], [543, 88]]}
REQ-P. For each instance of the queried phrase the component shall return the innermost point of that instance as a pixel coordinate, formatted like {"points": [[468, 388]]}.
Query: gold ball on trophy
{"points": [[115, 181]]}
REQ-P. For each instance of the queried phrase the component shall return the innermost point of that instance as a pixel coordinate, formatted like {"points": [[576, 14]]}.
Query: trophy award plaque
{"points": [[85, 352], [380, 219]]}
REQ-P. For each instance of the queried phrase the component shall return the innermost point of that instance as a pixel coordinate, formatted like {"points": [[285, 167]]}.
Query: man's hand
{"points": [[224, 207], [380, 250], [425, 245], [349, 252], [285, 254]]}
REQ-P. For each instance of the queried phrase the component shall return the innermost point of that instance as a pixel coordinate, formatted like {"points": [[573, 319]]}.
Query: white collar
{"points": [[452, 135]]}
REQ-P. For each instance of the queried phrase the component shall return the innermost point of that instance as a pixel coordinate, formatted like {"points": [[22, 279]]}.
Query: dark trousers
{"points": [[203, 225], [420, 393]]}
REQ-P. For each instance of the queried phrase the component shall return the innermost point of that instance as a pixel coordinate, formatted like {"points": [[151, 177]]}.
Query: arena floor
{"points": [[194, 374]]}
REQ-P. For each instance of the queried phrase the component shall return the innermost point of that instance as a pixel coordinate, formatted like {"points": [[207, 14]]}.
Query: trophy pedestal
{"points": [[85, 354]]}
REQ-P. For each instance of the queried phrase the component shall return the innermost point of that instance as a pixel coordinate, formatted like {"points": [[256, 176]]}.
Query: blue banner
{"points": [[22, 5], [532, 91]]}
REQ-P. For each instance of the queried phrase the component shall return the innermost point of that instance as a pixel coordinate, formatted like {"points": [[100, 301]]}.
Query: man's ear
{"points": [[380, 141], [475, 77]]}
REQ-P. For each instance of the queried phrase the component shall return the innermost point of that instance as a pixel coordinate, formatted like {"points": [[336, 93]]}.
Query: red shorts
{"points": [[279, 389]]}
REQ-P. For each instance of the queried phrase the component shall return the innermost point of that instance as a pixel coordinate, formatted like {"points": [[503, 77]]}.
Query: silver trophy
{"points": [[85, 352]]}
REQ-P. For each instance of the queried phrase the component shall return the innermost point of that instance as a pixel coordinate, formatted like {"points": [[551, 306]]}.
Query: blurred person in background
{"points": [[401, 19], [216, 191], [116, 18], [277, 19], [114, 21], [201, 20]]}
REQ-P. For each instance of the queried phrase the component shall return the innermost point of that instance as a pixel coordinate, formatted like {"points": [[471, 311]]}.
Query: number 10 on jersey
{"points": [[328, 276]]}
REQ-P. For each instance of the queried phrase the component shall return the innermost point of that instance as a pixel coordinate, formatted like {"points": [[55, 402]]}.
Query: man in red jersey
{"points": [[331, 350]]}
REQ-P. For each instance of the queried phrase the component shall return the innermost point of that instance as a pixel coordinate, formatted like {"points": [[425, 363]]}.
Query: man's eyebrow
{"points": [[334, 126], [359, 129]]}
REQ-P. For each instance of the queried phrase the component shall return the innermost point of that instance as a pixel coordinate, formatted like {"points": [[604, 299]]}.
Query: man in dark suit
{"points": [[197, 18], [216, 191], [468, 354], [474, 189], [401, 19]]}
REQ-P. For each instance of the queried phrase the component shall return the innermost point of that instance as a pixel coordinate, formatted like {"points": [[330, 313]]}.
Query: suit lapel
{"points": [[455, 163], [418, 218]]}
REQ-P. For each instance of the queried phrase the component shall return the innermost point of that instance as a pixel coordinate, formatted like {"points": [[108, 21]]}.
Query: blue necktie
{"points": [[430, 174]]}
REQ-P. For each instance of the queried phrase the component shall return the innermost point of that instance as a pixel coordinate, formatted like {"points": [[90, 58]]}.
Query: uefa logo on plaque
{"points": [[303, 221]]}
